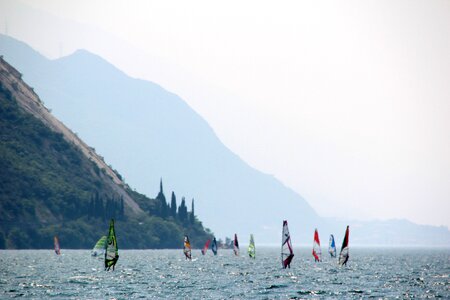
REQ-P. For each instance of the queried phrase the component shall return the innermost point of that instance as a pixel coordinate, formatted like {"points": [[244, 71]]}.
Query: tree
{"points": [[192, 217], [163, 207], [182, 211], [173, 206]]}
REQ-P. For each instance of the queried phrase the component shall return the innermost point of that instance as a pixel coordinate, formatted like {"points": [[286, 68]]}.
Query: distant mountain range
{"points": [[53, 184], [148, 133]]}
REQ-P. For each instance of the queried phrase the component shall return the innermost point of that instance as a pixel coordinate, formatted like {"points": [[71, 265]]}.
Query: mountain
{"points": [[147, 133], [52, 183]]}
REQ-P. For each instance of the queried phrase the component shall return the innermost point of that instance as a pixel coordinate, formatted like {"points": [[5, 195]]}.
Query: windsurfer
{"points": [[114, 261], [345, 261]]}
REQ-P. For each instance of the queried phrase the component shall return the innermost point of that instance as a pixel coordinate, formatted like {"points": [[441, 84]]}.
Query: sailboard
{"points": [[111, 249], [214, 246], [343, 256], [187, 248], [236, 245], [287, 254], [205, 248], [251, 247], [332, 247], [317, 251], [99, 248], [56, 244]]}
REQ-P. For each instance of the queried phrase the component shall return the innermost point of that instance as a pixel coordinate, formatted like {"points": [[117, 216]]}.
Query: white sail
{"points": [[99, 248], [332, 247], [287, 254]]}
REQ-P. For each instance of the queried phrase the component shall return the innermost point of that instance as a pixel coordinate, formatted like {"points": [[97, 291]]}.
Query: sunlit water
{"points": [[371, 273]]}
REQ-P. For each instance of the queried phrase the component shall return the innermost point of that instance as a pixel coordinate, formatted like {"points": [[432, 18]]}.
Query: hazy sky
{"points": [[346, 102]]}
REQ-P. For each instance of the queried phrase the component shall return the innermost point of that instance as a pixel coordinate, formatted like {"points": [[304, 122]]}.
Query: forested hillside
{"points": [[48, 187]]}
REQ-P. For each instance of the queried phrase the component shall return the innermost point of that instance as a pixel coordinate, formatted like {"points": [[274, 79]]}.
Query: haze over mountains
{"points": [[53, 184], [148, 133]]}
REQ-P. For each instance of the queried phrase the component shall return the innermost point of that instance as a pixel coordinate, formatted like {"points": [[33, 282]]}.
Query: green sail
{"points": [[99, 247], [112, 251], [251, 247]]}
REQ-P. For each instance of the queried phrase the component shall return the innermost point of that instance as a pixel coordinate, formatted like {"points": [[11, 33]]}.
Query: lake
{"points": [[371, 273]]}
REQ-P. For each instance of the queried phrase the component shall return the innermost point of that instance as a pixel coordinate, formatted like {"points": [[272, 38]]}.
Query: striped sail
{"points": [[56, 244], [316, 252], [251, 247], [187, 248], [111, 249], [343, 256], [287, 254], [332, 247], [205, 248], [214, 246], [99, 248], [236, 245]]}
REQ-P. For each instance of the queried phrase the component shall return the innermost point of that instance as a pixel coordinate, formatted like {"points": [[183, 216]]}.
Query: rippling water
{"points": [[371, 273]]}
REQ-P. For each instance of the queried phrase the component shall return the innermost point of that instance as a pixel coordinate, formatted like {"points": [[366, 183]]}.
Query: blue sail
{"points": [[332, 247], [214, 246]]}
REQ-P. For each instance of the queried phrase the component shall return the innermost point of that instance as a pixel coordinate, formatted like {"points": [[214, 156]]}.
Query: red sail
{"points": [[205, 248], [316, 252]]}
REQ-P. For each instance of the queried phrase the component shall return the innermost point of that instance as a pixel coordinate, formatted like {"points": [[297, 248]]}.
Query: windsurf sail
{"points": [[332, 247], [205, 248], [236, 245], [214, 246], [99, 248], [287, 254], [251, 247], [56, 243], [343, 256], [316, 252], [187, 248], [111, 249]]}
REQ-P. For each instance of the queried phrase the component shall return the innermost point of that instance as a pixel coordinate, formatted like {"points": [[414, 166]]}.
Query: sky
{"points": [[346, 102]]}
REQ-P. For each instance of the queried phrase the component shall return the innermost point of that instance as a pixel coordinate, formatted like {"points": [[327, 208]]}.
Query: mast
{"points": [[344, 255], [187, 248], [332, 246], [111, 249], [205, 248], [56, 244], [236, 245], [214, 246], [251, 247], [317, 251], [287, 254]]}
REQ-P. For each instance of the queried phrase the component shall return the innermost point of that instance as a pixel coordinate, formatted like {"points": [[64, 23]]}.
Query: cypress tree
{"points": [[182, 211], [173, 206], [162, 204], [192, 218]]}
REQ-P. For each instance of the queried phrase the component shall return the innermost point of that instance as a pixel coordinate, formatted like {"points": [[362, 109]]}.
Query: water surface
{"points": [[371, 273]]}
